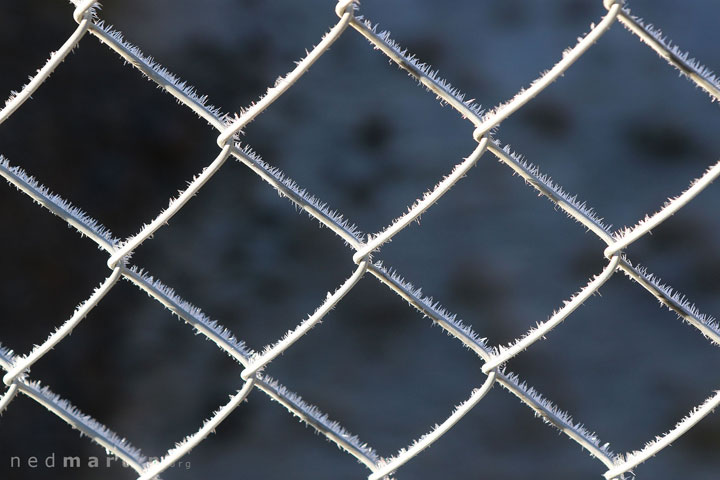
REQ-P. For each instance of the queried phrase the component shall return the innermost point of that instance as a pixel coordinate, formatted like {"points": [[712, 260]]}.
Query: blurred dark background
{"points": [[620, 128]]}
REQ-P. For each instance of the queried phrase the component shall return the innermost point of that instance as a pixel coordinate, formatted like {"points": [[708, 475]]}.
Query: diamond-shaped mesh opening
{"points": [[621, 146], [394, 394], [240, 251], [125, 149], [141, 372], [610, 372], [29, 239], [360, 142], [471, 250]]}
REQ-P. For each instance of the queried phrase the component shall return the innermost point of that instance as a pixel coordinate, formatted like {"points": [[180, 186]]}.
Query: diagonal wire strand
{"points": [[653, 447], [340, 226], [630, 235], [153, 469], [21, 364], [174, 207], [531, 174], [18, 98], [192, 315], [272, 351], [494, 117], [284, 83], [389, 465], [422, 205], [654, 38], [504, 354], [87, 425]]}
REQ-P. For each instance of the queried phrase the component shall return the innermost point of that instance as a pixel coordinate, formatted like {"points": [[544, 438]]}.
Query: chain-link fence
{"points": [[365, 249]]}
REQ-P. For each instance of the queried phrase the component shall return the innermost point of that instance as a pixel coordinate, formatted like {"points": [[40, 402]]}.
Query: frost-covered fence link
{"points": [[253, 363]]}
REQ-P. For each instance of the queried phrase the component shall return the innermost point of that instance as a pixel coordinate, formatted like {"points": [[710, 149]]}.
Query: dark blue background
{"points": [[620, 128]]}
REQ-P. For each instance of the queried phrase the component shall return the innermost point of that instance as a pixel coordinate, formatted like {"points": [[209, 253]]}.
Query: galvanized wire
{"points": [[253, 364]]}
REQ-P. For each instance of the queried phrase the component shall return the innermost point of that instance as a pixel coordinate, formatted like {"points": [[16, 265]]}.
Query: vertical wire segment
{"points": [[8, 397]]}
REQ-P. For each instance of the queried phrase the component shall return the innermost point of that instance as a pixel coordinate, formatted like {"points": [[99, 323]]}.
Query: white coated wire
{"points": [[493, 358]]}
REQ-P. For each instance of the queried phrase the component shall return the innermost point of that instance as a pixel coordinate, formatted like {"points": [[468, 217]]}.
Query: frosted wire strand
{"points": [[406, 455], [83, 224], [422, 205], [8, 397], [502, 112], [556, 195], [23, 363], [674, 302], [288, 340], [311, 205], [546, 415], [76, 419], [536, 182], [327, 220], [174, 207], [670, 208], [441, 92], [186, 313], [160, 76], [695, 72], [654, 447], [559, 420], [286, 82], [309, 414], [531, 405], [82, 423], [505, 354], [416, 70], [552, 416], [454, 327], [583, 216], [568, 204], [155, 468], [16, 100], [312, 416]]}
